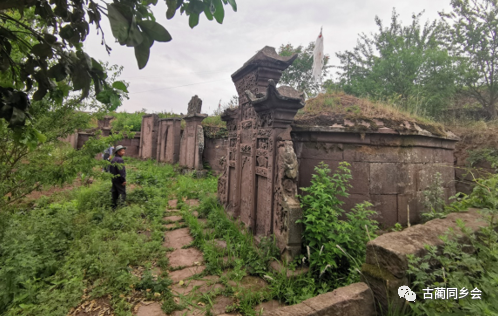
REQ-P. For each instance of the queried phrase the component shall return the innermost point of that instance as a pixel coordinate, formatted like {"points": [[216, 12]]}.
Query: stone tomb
{"points": [[258, 184]]}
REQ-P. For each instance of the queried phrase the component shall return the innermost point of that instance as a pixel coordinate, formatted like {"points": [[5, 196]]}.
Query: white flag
{"points": [[318, 59]]}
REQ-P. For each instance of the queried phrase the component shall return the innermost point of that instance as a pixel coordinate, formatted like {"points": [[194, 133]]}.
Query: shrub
{"points": [[470, 264], [334, 236]]}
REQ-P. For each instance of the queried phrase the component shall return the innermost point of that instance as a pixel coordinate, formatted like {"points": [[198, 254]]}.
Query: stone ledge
{"points": [[390, 251], [352, 300]]}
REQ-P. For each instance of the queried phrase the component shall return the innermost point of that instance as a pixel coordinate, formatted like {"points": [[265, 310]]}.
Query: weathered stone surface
{"points": [[175, 218], [352, 300], [183, 274], [220, 304], [185, 257], [177, 238], [259, 179], [148, 136], [383, 178], [386, 207], [192, 142], [172, 203], [293, 310], [266, 307], [194, 106], [168, 140], [391, 249], [153, 309]]}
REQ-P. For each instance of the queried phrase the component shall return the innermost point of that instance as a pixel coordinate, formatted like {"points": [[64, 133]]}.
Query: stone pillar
{"points": [[168, 140], [192, 142], [148, 136], [258, 183]]}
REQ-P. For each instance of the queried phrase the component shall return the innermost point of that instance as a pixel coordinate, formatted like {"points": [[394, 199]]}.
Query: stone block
{"points": [[386, 207], [324, 151], [369, 153], [389, 251], [360, 171], [384, 287], [352, 300], [383, 178], [414, 201]]}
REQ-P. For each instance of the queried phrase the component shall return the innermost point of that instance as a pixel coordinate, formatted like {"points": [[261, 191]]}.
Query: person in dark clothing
{"points": [[118, 170]]}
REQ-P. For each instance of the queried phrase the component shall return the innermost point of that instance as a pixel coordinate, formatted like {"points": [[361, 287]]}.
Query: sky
{"points": [[200, 61]]}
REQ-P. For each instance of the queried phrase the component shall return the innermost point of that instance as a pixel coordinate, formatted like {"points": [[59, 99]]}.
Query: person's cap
{"points": [[119, 147]]}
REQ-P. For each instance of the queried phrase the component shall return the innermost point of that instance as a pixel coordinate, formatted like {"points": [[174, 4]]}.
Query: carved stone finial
{"points": [[194, 106]]}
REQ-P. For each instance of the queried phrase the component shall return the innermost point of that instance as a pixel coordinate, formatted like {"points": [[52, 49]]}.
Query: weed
{"points": [[434, 199], [324, 230]]}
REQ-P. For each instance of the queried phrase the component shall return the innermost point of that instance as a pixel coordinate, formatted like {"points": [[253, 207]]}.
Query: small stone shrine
{"points": [[259, 181]]}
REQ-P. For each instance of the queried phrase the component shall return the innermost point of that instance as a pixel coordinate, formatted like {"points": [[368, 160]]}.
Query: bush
{"points": [[470, 264], [333, 236]]}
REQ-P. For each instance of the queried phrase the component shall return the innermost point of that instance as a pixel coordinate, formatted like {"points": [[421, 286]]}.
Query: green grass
{"points": [[52, 253]]}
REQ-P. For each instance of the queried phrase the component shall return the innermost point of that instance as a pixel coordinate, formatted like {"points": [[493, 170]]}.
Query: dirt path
{"points": [[186, 265]]}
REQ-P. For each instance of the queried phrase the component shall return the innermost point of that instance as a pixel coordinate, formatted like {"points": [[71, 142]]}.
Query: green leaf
{"points": [[155, 31], [119, 24], [96, 65], [142, 52], [219, 14], [42, 50], [50, 39], [233, 4], [135, 37], [193, 19], [58, 72], [120, 86], [18, 117], [41, 138]]}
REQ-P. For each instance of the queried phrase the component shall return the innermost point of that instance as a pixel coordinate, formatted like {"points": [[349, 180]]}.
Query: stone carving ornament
{"points": [[194, 106]]}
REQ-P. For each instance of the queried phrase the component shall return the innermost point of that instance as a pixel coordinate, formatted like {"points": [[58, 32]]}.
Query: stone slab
{"points": [[174, 218], [153, 309], [391, 249], [183, 274], [177, 238], [172, 203], [220, 304], [185, 257], [352, 300]]}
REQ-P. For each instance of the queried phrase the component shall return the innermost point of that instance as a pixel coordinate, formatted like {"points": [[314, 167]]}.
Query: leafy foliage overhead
{"points": [[50, 46]]}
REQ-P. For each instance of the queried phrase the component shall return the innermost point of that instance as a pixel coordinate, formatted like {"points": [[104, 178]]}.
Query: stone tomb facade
{"points": [[148, 136], [168, 140], [259, 180]]}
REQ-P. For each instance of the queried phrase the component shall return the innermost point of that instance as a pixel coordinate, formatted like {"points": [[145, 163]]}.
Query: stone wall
{"points": [[386, 264], [389, 170], [214, 150]]}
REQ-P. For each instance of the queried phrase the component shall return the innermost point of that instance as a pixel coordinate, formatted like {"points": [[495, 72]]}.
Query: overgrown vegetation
{"points": [[470, 264], [336, 240], [56, 251]]}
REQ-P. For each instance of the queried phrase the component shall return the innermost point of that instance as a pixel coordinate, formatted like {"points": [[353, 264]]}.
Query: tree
{"points": [[409, 63], [51, 46], [299, 74], [473, 37]]}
